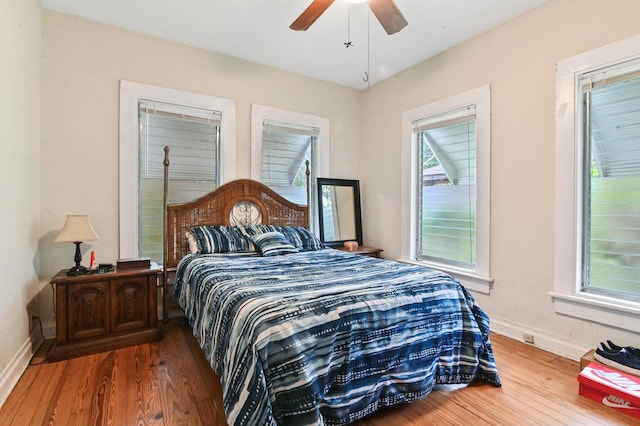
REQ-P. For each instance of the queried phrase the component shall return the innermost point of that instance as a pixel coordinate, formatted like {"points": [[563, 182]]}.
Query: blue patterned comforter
{"points": [[328, 337]]}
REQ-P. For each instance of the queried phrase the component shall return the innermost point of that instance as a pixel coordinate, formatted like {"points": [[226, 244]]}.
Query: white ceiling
{"points": [[258, 31]]}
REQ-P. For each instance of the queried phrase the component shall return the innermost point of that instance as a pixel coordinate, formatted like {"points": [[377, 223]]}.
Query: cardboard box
{"points": [[587, 358], [611, 387]]}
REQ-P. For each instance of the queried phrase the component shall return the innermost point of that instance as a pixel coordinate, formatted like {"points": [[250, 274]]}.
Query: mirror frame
{"points": [[355, 185]]}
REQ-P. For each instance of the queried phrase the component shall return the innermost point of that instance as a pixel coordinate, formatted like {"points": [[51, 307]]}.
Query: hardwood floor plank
{"points": [[171, 383], [99, 396], [135, 376], [85, 388], [36, 389], [189, 389]]}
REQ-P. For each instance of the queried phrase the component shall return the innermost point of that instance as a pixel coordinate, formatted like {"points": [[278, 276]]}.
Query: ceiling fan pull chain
{"points": [[366, 73], [348, 43]]}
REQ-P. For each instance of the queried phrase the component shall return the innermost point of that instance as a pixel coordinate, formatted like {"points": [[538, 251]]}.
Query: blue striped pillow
{"points": [[299, 236], [303, 238], [273, 244], [220, 239]]}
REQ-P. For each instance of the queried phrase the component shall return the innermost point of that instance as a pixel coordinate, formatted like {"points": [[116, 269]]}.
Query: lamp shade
{"points": [[76, 228]]}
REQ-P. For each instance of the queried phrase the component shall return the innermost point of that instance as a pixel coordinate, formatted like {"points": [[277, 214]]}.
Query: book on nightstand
{"points": [[134, 263]]}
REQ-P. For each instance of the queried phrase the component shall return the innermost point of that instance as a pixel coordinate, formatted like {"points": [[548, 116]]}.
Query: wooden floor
{"points": [[170, 383]]}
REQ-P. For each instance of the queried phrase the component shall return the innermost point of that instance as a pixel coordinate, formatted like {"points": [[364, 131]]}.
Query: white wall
{"points": [[518, 61], [82, 64], [20, 32]]}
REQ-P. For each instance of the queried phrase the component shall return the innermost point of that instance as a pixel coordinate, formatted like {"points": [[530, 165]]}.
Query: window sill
{"points": [[600, 309], [471, 281]]}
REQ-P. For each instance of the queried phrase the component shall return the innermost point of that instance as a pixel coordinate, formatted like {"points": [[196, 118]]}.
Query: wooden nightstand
{"points": [[100, 312], [364, 250]]}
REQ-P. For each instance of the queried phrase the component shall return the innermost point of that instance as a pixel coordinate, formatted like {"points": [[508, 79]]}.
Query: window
{"points": [[286, 148], [597, 264], [446, 217], [281, 142], [193, 136], [200, 131], [611, 185], [446, 190]]}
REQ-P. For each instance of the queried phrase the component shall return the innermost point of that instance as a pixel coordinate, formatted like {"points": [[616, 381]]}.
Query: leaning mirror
{"points": [[339, 211]]}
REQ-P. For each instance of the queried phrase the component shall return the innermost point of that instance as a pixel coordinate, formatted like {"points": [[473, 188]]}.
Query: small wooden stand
{"points": [[100, 312]]}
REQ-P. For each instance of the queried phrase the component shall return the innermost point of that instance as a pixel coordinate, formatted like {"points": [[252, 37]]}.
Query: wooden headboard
{"points": [[241, 201]]}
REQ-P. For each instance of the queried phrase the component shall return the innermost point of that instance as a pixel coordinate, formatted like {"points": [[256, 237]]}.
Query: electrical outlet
{"points": [[527, 337], [32, 322]]}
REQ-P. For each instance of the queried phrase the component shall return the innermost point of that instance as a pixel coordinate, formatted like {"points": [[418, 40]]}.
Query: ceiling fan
{"points": [[385, 10]]}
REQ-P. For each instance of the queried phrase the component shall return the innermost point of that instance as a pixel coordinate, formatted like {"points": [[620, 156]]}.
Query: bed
{"points": [[302, 334]]}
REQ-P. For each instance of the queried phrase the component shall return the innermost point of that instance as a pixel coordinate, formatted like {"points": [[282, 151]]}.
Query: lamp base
{"points": [[77, 270]]}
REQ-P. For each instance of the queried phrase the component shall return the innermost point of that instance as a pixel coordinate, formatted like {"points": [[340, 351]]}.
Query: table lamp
{"points": [[77, 229]]}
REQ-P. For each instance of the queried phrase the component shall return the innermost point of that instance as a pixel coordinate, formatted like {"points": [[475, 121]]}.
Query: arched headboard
{"points": [[242, 201]]}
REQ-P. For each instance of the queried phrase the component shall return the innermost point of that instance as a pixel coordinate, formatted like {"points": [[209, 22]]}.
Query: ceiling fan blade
{"points": [[310, 14], [388, 14]]}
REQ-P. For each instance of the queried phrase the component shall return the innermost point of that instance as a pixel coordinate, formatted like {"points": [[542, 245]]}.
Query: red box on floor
{"points": [[612, 388]]}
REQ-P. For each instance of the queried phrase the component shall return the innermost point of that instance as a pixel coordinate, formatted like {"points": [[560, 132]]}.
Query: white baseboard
{"points": [[543, 341], [16, 367]]}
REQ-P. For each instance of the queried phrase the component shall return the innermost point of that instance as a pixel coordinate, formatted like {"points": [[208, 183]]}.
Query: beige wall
{"points": [[20, 31], [82, 64], [518, 61]]}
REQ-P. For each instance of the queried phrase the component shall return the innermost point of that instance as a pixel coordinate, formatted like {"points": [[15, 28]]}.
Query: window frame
{"points": [[479, 277], [259, 113], [130, 94], [567, 295]]}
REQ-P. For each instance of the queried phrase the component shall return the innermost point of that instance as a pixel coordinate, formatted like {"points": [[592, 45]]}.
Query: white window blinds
{"points": [[191, 133], [285, 149], [193, 136], [611, 183], [447, 187]]}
